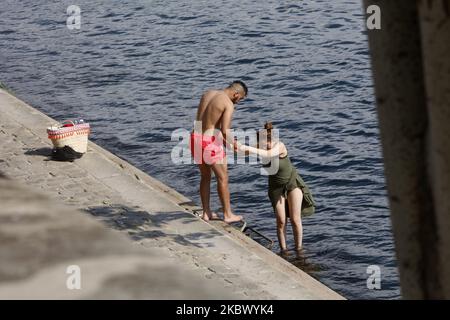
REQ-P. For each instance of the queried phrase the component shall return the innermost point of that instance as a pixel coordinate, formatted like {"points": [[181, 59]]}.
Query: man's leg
{"points": [[205, 186], [221, 173]]}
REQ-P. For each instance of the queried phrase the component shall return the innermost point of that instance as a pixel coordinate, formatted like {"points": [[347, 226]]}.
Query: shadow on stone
{"points": [[64, 154], [44, 152], [41, 239], [143, 225]]}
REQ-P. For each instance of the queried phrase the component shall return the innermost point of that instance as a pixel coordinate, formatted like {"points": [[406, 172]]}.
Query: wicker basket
{"points": [[75, 136]]}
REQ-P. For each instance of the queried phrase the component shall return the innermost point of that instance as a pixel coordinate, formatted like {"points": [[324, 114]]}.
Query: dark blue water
{"points": [[136, 69]]}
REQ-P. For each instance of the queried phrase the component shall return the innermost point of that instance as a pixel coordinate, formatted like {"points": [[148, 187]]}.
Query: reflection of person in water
{"points": [[288, 193]]}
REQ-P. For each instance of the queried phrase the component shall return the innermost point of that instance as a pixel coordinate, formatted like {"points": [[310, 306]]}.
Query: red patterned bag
{"points": [[69, 133]]}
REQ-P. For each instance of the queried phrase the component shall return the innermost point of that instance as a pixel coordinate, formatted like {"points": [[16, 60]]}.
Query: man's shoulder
{"points": [[211, 92], [219, 98]]}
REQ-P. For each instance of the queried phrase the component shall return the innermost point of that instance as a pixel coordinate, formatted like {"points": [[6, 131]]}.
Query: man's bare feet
{"points": [[210, 216], [230, 218]]}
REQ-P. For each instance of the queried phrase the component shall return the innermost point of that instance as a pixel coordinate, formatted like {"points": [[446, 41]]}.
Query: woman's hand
{"points": [[237, 146]]}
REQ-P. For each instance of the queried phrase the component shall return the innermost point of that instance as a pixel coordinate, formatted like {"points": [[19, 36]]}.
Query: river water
{"points": [[136, 69]]}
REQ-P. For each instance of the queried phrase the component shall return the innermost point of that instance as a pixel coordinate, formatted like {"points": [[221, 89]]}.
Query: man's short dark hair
{"points": [[239, 83]]}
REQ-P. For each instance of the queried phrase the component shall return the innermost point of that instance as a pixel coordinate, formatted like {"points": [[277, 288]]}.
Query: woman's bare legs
{"points": [[280, 212], [295, 198]]}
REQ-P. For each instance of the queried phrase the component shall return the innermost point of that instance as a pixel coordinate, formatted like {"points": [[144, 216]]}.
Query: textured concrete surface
{"points": [[153, 215], [41, 239]]}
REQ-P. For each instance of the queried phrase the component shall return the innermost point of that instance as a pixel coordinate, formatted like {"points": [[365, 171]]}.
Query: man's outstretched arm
{"points": [[225, 126]]}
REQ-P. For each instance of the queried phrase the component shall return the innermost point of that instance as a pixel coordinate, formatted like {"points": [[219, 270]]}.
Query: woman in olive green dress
{"points": [[289, 195]]}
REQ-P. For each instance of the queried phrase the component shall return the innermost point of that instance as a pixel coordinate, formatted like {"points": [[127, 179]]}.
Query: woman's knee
{"points": [[281, 223], [296, 222]]}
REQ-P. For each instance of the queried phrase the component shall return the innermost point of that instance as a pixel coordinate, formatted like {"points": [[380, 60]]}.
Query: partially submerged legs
{"points": [[294, 200], [280, 213]]}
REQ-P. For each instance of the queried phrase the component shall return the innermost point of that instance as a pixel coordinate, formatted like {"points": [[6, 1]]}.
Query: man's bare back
{"points": [[211, 109]]}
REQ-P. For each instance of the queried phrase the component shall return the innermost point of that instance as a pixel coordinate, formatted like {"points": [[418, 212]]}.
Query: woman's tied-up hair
{"points": [[268, 126]]}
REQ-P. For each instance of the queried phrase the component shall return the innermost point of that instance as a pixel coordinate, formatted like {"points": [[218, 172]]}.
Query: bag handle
{"points": [[68, 122]]}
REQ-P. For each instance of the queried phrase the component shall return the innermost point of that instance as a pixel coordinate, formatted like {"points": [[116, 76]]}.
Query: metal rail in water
{"points": [[258, 237]]}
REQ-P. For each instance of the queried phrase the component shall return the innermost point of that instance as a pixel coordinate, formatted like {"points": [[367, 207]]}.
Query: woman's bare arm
{"points": [[277, 150]]}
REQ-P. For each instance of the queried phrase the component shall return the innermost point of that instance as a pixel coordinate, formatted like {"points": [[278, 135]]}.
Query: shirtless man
{"points": [[214, 113]]}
